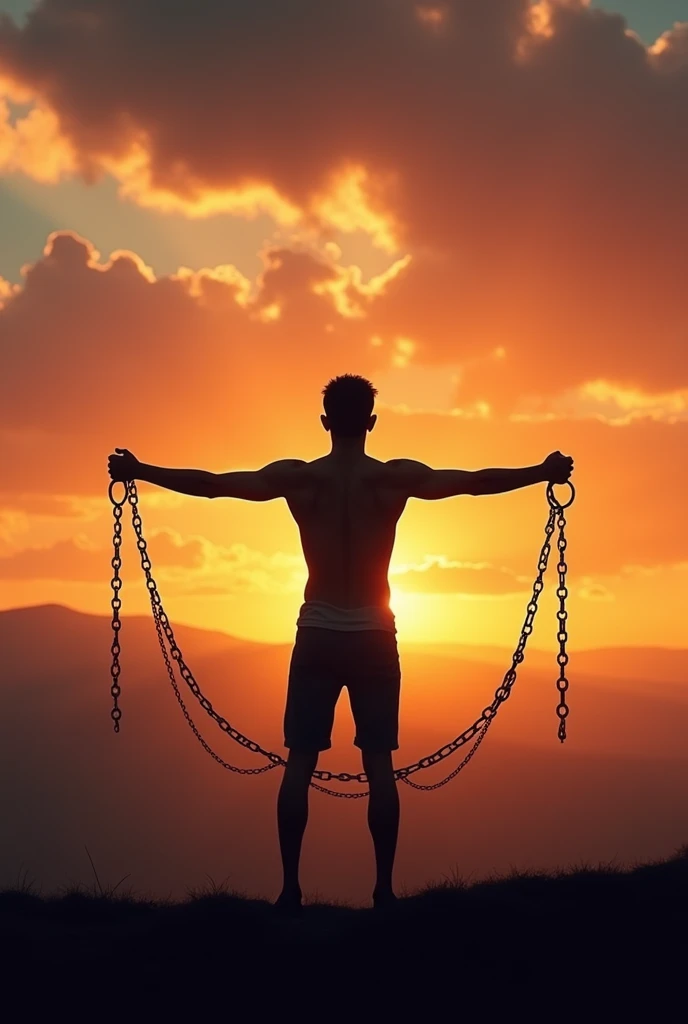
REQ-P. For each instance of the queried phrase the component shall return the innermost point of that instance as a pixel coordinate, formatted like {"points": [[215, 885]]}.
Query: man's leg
{"points": [[383, 821], [292, 817]]}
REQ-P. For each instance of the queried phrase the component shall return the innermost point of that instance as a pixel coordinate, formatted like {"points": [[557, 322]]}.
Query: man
{"points": [[346, 505]]}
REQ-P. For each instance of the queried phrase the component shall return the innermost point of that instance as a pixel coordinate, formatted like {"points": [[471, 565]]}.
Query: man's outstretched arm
{"points": [[420, 481], [275, 480]]}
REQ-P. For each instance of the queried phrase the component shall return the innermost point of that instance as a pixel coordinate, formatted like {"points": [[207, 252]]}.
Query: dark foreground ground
{"points": [[586, 944]]}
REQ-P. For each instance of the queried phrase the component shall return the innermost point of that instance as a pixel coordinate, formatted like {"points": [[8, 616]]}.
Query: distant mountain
{"points": [[646, 664], [49, 637], [151, 802], [642, 663]]}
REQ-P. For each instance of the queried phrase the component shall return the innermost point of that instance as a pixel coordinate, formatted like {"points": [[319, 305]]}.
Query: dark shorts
{"points": [[366, 661]]}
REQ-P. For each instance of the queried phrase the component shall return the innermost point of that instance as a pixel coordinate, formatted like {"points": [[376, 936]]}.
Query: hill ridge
{"points": [[438, 647]]}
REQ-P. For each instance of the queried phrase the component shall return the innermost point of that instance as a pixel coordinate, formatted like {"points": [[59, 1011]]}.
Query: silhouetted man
{"points": [[346, 505]]}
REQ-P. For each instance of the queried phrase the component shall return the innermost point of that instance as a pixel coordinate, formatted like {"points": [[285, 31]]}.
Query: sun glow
{"points": [[416, 616]]}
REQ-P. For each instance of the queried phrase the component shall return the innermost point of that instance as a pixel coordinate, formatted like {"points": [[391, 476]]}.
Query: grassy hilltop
{"points": [[596, 942]]}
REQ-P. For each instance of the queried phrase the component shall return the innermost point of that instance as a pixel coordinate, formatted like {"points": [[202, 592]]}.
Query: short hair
{"points": [[348, 401]]}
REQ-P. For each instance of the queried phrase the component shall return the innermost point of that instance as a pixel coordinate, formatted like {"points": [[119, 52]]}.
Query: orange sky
{"points": [[483, 210]]}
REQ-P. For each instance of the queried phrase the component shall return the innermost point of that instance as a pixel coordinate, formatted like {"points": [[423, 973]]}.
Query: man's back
{"points": [[347, 510]]}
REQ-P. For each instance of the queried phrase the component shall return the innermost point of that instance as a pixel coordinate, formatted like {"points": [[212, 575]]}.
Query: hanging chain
{"points": [[190, 722], [460, 766], [116, 603], [562, 634], [164, 629], [478, 729]]}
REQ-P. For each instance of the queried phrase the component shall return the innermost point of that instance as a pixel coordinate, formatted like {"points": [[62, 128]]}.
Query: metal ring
{"points": [[553, 501], [111, 496]]}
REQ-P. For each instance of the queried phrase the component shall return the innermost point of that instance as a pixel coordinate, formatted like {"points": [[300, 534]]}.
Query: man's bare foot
{"points": [[289, 902], [384, 898]]}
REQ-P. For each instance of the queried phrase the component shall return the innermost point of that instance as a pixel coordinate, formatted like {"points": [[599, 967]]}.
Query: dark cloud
{"points": [[533, 158]]}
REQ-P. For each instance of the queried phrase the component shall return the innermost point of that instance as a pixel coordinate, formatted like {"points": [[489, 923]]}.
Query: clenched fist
{"points": [[123, 465], [558, 468]]}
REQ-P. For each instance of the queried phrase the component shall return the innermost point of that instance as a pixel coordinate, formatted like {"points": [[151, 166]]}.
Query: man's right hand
{"points": [[557, 468], [123, 465]]}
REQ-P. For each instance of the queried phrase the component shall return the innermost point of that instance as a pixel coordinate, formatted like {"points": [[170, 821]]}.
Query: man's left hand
{"points": [[123, 466]]}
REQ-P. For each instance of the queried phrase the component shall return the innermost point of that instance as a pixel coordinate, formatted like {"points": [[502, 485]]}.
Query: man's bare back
{"points": [[347, 516]]}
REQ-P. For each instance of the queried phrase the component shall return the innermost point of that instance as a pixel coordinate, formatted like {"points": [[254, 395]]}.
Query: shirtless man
{"points": [[346, 505]]}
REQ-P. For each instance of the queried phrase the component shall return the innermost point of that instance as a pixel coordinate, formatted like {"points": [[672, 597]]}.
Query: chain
{"points": [[190, 722], [479, 727], [562, 634], [164, 630], [414, 785], [337, 792], [116, 603], [461, 765], [503, 691]]}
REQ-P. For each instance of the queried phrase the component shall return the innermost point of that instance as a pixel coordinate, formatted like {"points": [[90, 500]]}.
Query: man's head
{"points": [[348, 401]]}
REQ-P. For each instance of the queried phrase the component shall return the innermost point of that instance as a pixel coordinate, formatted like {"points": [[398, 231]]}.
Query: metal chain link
{"points": [[116, 604], [164, 630], [479, 728], [562, 634], [190, 722], [460, 766]]}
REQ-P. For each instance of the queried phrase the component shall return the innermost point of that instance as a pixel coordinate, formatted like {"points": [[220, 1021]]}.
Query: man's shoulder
{"points": [[288, 471], [396, 467]]}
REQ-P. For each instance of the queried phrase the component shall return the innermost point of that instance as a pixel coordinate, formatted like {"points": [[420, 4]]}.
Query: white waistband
{"points": [[329, 616]]}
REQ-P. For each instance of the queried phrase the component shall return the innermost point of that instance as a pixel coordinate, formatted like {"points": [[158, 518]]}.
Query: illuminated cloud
{"points": [[191, 565], [439, 575], [34, 144], [6, 291], [54, 506], [611, 403], [193, 198], [347, 205], [184, 370], [241, 570], [14, 523], [100, 348], [530, 157], [670, 52], [351, 295], [78, 559], [590, 590], [404, 349]]}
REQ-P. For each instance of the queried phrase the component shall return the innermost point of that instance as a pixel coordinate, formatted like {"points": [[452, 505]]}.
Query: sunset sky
{"points": [[209, 209]]}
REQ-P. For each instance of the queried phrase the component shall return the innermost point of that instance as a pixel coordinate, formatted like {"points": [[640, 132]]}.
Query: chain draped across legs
{"points": [[475, 733]]}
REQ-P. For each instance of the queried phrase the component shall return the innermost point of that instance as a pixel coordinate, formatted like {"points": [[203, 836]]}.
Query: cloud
{"points": [[34, 144], [53, 506], [670, 52], [184, 370], [590, 590], [439, 575], [193, 564], [78, 559], [239, 569], [100, 350], [531, 158], [611, 403]]}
